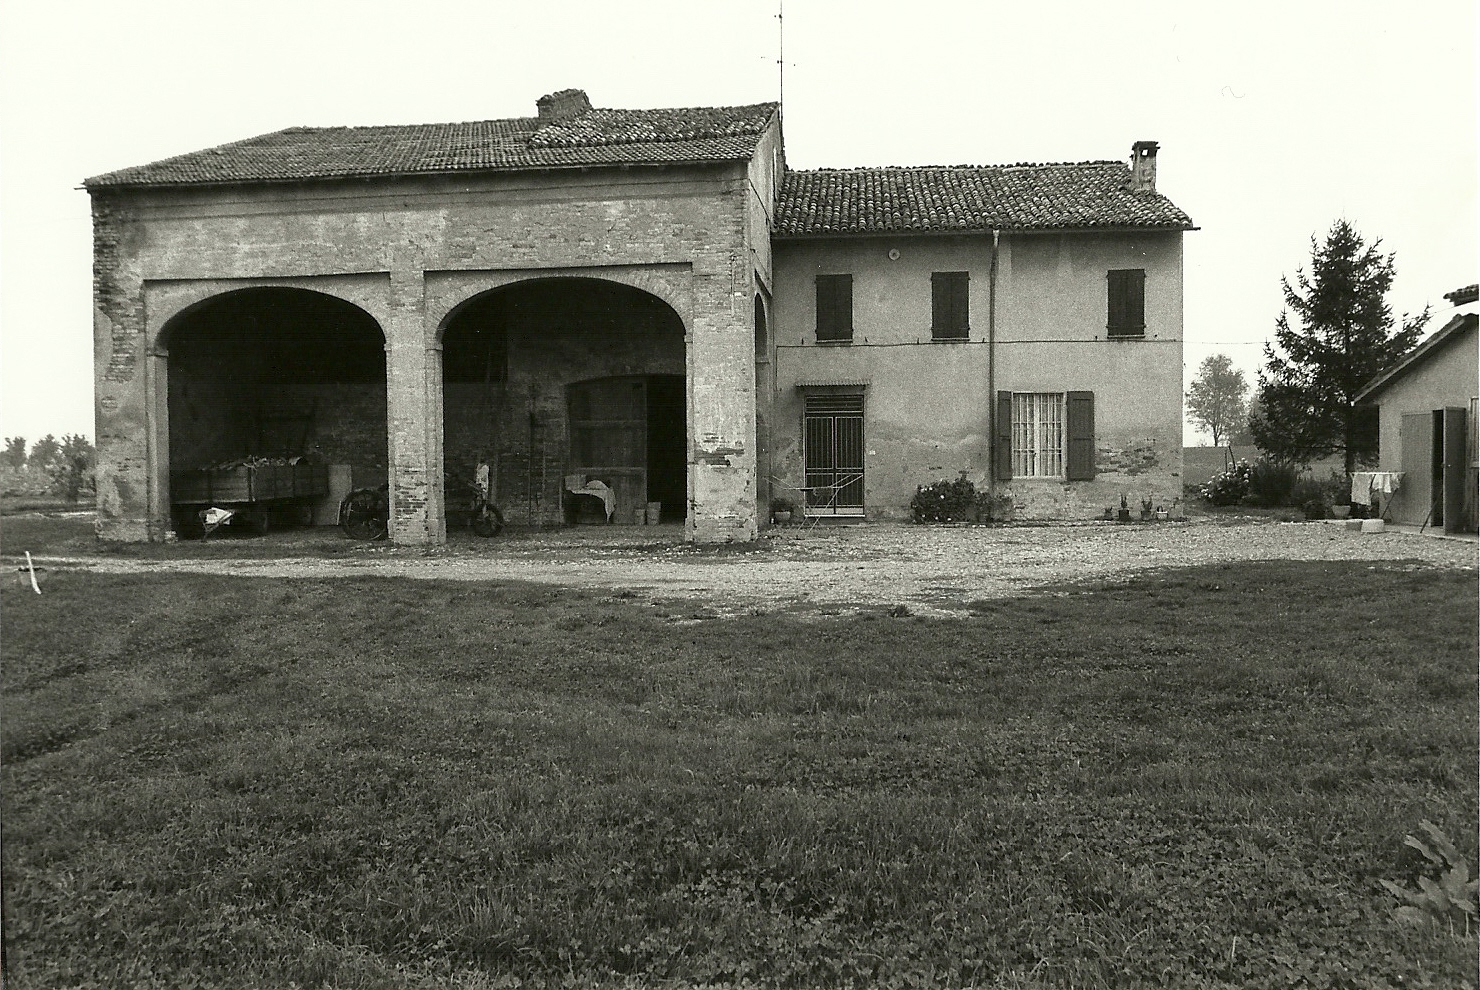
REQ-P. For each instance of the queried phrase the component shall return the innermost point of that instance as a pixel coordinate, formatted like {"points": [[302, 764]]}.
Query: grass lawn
{"points": [[1194, 779]]}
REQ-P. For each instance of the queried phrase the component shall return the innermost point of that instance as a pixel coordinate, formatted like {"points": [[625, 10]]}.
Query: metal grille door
{"points": [[834, 455]]}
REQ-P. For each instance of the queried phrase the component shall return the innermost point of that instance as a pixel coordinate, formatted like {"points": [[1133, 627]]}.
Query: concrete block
{"points": [[1371, 525]]}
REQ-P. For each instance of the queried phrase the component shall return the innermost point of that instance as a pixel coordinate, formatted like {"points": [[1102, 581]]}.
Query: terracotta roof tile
{"points": [[828, 202], [597, 137]]}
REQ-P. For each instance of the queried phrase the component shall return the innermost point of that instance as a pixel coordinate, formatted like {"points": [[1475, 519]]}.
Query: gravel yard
{"points": [[932, 570]]}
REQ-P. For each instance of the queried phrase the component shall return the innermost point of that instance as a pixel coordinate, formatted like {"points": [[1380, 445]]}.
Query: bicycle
{"points": [[487, 519]]}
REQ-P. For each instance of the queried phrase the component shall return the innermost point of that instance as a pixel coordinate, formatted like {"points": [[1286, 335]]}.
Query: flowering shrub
{"points": [[945, 501], [1230, 487]]}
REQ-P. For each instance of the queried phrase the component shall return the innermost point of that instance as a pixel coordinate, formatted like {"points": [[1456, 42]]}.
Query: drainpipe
{"points": [[992, 368]]}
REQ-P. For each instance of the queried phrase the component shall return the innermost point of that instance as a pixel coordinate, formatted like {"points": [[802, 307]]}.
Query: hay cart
{"points": [[255, 492]]}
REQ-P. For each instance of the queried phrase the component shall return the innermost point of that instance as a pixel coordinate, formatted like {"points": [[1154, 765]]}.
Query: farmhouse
{"points": [[642, 303]]}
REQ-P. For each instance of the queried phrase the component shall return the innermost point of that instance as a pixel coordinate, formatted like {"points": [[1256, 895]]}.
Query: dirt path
{"points": [[929, 569]]}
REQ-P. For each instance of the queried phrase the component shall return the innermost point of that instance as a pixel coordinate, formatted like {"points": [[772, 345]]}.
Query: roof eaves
{"points": [[1107, 228]]}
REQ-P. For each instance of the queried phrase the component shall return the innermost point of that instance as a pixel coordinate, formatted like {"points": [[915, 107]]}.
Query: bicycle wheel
{"points": [[487, 520]]}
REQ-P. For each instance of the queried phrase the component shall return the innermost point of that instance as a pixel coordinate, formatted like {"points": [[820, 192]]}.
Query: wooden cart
{"points": [[256, 492]]}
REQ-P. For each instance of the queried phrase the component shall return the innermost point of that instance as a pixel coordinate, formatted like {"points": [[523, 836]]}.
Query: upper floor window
{"points": [[950, 307], [834, 307], [1127, 303]]}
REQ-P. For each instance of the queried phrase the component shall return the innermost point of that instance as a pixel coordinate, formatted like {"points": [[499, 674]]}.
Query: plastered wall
{"points": [[928, 403]]}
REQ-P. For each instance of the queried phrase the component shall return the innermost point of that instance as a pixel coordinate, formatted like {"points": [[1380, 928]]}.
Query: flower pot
{"points": [[781, 518], [1161, 516], [1340, 511]]}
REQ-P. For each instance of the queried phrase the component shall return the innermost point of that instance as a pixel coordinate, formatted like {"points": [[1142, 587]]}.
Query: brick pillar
{"points": [[721, 402], [413, 379]]}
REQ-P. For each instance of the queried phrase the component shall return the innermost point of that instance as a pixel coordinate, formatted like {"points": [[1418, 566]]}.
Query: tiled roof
{"points": [[1460, 325], [596, 137], [967, 197]]}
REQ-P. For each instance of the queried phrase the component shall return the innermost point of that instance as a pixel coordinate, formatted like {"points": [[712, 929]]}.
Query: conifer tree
{"points": [[1343, 336]]}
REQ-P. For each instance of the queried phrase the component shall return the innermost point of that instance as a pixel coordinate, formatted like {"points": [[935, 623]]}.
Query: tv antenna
{"points": [[780, 54]]}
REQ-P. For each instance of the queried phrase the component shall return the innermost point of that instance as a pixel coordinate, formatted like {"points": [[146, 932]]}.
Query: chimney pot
{"points": [[1143, 167], [563, 105]]}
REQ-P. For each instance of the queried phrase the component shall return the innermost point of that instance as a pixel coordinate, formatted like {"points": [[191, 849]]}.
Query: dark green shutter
{"points": [[1002, 456], [1127, 293], [834, 307], [1080, 464], [950, 316]]}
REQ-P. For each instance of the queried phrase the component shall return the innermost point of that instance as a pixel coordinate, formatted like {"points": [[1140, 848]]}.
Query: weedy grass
{"points": [[1194, 778]]}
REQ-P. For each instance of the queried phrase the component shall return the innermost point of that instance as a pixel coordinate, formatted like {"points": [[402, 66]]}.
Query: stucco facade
{"points": [[928, 403]]}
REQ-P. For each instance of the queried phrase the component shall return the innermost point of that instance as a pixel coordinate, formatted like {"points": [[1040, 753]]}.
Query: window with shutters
{"points": [[950, 311], [1038, 434], [1127, 293], [834, 308]]}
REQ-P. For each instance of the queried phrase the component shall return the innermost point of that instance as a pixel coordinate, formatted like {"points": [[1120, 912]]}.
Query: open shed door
{"points": [[1416, 494], [1456, 460]]}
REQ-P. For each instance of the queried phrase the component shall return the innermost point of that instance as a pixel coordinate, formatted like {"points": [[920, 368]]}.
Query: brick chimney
{"points": [[1143, 167], [563, 105]]}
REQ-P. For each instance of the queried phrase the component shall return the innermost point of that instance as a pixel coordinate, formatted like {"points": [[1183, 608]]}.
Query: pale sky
{"points": [[1274, 119]]}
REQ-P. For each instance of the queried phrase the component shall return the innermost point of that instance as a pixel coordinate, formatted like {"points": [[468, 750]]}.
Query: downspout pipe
{"points": [[992, 367]]}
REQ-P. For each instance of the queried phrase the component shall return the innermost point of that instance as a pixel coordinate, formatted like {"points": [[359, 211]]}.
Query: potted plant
{"points": [[781, 510], [1125, 511], [1145, 510], [1161, 514]]}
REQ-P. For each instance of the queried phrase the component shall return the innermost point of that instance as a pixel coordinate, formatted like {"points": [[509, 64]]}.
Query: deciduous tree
{"points": [[72, 469], [1342, 337], [1216, 402], [14, 454], [44, 452]]}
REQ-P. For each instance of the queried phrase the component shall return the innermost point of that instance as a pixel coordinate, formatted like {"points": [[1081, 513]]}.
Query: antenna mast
{"points": [[780, 56]]}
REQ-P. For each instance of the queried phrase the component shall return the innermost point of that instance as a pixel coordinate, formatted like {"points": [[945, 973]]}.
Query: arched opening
{"points": [[560, 383], [762, 412], [274, 377]]}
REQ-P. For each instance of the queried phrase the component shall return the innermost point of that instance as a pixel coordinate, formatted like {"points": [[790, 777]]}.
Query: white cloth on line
{"points": [[1366, 484]]}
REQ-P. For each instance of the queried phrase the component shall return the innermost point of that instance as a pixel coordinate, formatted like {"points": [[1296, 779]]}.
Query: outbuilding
{"points": [[1427, 406]]}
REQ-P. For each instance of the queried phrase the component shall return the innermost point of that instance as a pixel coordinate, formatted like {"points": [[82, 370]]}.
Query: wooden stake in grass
{"points": [[32, 569]]}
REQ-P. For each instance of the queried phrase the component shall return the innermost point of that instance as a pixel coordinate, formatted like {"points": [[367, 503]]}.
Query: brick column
{"points": [[413, 412], [721, 402]]}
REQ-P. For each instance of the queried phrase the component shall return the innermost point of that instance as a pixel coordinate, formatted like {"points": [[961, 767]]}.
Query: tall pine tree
{"points": [[1344, 338]]}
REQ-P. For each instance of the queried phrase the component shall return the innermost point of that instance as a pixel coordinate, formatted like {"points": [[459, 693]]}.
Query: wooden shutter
{"points": [[1080, 463], [1127, 291], [1003, 454], [950, 316], [835, 307]]}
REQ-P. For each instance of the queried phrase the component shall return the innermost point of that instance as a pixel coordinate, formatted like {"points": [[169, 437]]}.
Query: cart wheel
{"points": [[488, 521], [359, 518]]}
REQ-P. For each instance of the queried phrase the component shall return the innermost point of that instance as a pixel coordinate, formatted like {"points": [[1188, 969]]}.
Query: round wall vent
{"points": [[894, 254]]}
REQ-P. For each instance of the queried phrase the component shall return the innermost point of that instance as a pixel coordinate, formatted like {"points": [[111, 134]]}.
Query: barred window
{"points": [[1038, 434]]}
